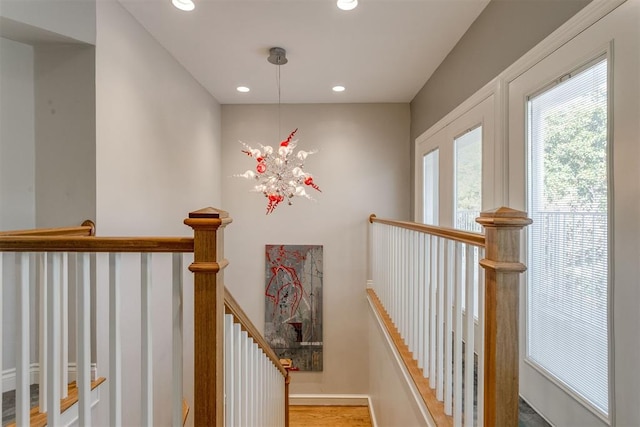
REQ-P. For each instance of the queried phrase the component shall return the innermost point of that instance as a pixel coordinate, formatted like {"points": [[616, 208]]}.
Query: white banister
{"points": [[245, 378], [22, 338], [53, 341], [237, 374], [448, 327], [480, 346], [146, 353], [83, 341], [115, 344], [64, 324], [469, 338], [429, 287], [41, 280], [457, 336], [433, 298], [254, 385], [229, 368], [2, 258], [440, 316], [177, 334]]}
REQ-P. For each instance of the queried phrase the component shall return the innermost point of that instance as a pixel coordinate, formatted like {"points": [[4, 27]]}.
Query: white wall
{"points": [[158, 157], [72, 19], [17, 169], [362, 167], [65, 134], [158, 133], [392, 401], [17, 138]]}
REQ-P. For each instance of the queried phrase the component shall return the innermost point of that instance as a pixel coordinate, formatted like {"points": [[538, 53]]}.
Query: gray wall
{"points": [[504, 31], [361, 167]]}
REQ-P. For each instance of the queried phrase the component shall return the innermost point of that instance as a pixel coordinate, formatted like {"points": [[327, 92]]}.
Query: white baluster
{"points": [[457, 335], [480, 339], [115, 345], [22, 338], [440, 319], [420, 306], [146, 334], [237, 374], [53, 342], [254, 383], [64, 325], [434, 268], [176, 308], [400, 285], [246, 385], [469, 339], [2, 258], [448, 336], [83, 341], [425, 284], [229, 366], [41, 280]]}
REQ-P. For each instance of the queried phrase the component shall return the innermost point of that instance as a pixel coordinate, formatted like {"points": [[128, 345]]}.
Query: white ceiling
{"points": [[382, 51]]}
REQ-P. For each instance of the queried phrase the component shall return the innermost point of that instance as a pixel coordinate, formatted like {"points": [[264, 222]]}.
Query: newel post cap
{"points": [[503, 217], [209, 212], [206, 218]]}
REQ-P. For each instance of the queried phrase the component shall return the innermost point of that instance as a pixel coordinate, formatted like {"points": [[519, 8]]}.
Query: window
{"points": [[430, 192], [567, 187], [468, 180]]}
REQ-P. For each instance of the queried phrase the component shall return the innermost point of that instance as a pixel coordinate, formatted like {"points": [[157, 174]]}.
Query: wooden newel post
{"points": [[208, 266], [502, 277]]}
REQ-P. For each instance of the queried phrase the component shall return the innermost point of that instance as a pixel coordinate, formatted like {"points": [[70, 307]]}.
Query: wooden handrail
{"points": [[31, 243], [88, 228], [468, 237], [232, 307]]}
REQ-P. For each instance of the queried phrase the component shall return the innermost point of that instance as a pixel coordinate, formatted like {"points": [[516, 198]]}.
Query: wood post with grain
{"points": [[502, 290], [208, 266]]}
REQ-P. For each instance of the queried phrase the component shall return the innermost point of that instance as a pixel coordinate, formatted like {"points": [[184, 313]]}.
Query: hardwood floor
{"points": [[329, 416]]}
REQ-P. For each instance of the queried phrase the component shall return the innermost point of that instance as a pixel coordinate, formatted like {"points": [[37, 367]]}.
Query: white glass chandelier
{"points": [[279, 174]]}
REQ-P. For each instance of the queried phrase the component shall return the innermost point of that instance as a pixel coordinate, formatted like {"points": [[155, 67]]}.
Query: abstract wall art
{"points": [[293, 304]]}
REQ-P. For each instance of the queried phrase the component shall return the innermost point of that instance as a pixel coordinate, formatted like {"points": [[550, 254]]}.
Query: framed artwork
{"points": [[293, 304]]}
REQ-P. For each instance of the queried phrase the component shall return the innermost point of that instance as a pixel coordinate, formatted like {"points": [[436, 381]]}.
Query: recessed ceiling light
{"points": [[338, 88], [243, 89], [185, 5], [347, 4]]}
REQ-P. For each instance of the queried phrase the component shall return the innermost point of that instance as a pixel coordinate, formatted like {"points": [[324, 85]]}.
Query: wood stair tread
{"points": [[39, 419]]}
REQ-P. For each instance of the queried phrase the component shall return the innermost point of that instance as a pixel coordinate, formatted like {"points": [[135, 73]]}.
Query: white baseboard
{"points": [[9, 375], [369, 283], [329, 399], [372, 413]]}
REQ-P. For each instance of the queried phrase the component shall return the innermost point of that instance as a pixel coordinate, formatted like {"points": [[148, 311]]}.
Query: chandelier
{"points": [[279, 174]]}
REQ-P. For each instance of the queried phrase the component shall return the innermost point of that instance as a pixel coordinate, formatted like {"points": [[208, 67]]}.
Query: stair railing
{"points": [[455, 328], [53, 258]]}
